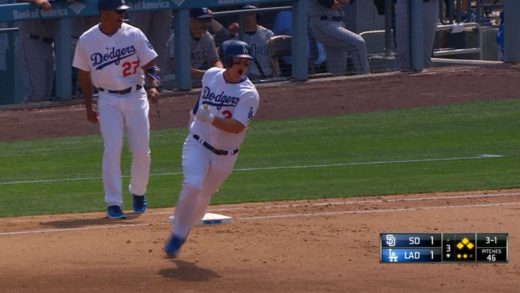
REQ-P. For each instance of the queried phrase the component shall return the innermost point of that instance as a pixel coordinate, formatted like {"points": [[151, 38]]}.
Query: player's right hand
{"points": [[153, 95], [92, 116]]}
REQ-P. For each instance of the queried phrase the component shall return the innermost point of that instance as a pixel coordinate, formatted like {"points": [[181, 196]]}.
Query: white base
{"points": [[211, 219]]}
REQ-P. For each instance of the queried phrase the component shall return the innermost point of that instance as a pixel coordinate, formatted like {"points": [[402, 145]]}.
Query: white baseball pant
{"points": [[204, 172], [117, 114]]}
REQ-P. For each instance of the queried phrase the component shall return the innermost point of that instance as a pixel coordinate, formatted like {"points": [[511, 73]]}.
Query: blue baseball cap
{"points": [[112, 5], [201, 13]]}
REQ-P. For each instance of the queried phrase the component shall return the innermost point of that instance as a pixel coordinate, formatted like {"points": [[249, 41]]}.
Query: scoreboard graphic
{"points": [[444, 247]]}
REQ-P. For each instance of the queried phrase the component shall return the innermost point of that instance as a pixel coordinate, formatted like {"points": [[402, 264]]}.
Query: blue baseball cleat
{"points": [[115, 212], [173, 246], [139, 204]]}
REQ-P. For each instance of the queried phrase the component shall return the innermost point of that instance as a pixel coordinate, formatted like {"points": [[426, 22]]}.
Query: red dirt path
{"points": [[306, 246]]}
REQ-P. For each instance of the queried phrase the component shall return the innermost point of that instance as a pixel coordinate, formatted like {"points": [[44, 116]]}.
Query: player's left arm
{"points": [[152, 81], [147, 55]]}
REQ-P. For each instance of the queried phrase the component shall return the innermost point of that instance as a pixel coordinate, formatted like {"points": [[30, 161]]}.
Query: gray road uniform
{"points": [[259, 49], [35, 58], [203, 52], [4, 44], [327, 27], [430, 14]]}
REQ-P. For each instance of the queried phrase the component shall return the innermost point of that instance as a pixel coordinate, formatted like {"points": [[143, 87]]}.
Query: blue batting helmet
{"points": [[235, 49]]}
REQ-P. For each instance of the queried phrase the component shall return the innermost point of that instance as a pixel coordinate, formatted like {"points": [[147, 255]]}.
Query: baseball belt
{"points": [[213, 149], [121, 92]]}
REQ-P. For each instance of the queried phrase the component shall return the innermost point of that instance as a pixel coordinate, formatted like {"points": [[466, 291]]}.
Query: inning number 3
{"points": [[130, 68]]}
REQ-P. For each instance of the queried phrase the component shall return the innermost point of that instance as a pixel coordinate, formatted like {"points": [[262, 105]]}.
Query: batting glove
{"points": [[204, 114]]}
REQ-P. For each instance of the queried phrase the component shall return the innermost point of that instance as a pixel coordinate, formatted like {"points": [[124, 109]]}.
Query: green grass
{"points": [[281, 160]]}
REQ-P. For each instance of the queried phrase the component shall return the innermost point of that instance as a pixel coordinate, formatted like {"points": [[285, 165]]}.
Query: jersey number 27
{"points": [[130, 68]]}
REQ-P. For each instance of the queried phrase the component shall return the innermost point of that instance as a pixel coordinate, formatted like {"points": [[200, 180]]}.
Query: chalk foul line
{"points": [[477, 157]]}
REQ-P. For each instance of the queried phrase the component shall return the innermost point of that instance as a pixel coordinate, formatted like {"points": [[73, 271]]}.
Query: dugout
{"points": [[361, 17], [11, 91]]}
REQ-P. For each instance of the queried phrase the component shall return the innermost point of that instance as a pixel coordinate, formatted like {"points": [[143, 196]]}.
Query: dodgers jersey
{"points": [[114, 61], [227, 100]]}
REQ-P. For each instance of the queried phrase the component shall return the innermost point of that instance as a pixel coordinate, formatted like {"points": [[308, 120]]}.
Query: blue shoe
{"points": [[173, 246], [139, 204], [115, 212]]}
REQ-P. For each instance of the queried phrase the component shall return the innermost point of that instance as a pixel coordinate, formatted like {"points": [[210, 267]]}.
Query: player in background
{"points": [[430, 17], [202, 46], [500, 37], [113, 57], [327, 27], [156, 25], [34, 48], [227, 103], [257, 36]]}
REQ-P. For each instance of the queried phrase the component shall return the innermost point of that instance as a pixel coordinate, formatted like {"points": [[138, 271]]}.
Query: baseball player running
{"points": [[327, 27], [113, 57], [227, 103]]}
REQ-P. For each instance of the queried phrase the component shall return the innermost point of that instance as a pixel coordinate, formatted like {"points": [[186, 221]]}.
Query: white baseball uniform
{"points": [[114, 63], [205, 170]]}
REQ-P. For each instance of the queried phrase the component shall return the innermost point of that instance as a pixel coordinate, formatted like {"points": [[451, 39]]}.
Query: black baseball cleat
{"points": [[139, 204]]}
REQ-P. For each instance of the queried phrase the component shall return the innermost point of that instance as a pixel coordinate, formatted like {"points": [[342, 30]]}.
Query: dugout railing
{"points": [[483, 12], [64, 10]]}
